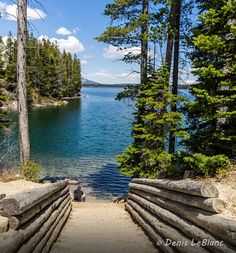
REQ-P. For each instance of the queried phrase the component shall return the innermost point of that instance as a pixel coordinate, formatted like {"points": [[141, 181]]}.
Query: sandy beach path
{"points": [[96, 227]]}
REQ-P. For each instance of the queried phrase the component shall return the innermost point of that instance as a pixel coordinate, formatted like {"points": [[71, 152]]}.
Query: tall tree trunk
{"points": [[144, 43], [175, 67], [21, 81], [170, 39], [168, 60], [154, 59]]}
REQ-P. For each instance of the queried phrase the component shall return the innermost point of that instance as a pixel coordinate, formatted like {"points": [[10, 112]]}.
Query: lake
{"points": [[82, 138]]}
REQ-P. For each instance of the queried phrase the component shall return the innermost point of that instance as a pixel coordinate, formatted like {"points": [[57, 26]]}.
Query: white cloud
{"points": [[101, 73], [113, 52], [2, 6], [83, 62], [34, 13], [5, 38], [10, 12], [104, 76], [71, 44], [63, 31], [75, 30], [129, 76], [41, 37]]}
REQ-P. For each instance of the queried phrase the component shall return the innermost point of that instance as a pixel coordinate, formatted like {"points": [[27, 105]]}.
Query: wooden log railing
{"points": [[2, 196], [19, 203], [35, 218], [190, 187], [181, 221], [209, 204]]}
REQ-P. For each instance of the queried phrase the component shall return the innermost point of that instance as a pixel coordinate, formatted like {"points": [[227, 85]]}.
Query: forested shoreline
{"points": [[176, 36], [168, 41], [50, 74]]}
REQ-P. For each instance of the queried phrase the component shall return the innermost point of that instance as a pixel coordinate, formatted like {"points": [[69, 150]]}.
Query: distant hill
{"points": [[106, 85], [90, 82]]}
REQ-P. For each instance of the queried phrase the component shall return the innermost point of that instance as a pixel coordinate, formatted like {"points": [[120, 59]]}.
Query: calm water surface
{"points": [[82, 138]]}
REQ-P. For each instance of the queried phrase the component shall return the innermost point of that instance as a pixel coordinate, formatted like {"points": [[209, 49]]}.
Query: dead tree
{"points": [[21, 81]]}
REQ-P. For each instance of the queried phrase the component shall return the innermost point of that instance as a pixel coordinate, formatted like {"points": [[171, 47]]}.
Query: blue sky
{"points": [[74, 24]]}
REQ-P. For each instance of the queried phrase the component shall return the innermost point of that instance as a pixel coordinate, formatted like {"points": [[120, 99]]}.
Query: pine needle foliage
{"points": [[153, 121], [212, 114]]}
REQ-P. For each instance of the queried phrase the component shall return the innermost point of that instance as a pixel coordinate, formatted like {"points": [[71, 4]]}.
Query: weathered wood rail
{"points": [[182, 216], [31, 221]]}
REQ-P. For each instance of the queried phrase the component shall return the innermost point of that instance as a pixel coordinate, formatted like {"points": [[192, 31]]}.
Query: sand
{"points": [[227, 191], [18, 186], [97, 227]]}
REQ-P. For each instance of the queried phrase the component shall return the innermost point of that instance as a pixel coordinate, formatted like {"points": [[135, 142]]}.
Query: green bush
{"points": [[30, 170], [177, 166], [203, 165], [208, 165]]}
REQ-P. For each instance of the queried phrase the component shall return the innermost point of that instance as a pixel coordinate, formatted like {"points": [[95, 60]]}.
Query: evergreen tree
{"points": [[32, 68], [212, 114], [149, 154], [76, 75], [2, 114], [129, 28], [49, 73], [10, 55], [2, 71], [155, 118], [175, 79]]}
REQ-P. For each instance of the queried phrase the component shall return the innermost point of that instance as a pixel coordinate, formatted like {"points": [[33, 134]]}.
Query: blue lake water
{"points": [[82, 138]]}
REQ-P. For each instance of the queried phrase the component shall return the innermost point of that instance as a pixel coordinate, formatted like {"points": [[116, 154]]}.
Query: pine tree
{"points": [[2, 114], [175, 80], [10, 55], [129, 28], [2, 67], [156, 115], [76, 75], [2, 95], [212, 114], [149, 154], [32, 68], [50, 73]]}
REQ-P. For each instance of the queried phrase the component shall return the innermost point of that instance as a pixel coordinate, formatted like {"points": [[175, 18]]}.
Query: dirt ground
{"points": [[18, 186], [227, 191], [101, 228]]}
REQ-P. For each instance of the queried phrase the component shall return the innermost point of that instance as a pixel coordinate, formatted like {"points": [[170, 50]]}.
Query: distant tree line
{"points": [[50, 73], [163, 30]]}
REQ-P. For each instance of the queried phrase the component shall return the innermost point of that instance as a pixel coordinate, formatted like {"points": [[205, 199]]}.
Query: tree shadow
{"points": [[107, 183]]}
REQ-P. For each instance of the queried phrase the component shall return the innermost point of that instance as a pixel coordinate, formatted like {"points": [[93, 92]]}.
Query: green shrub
{"points": [[177, 165], [203, 165], [30, 170], [208, 165]]}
